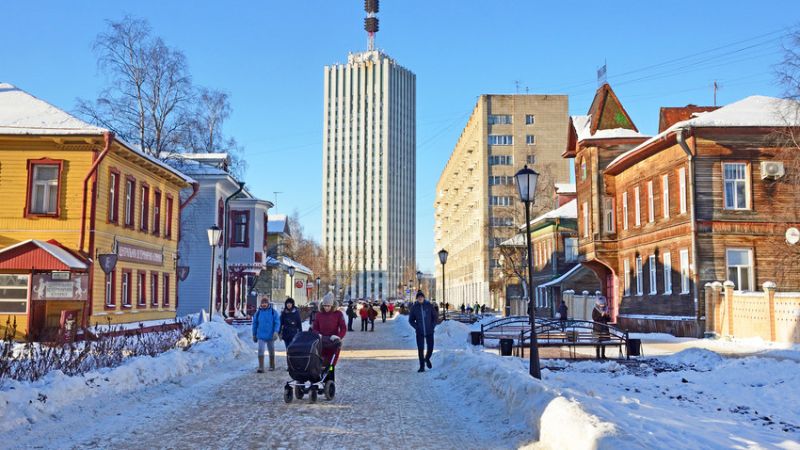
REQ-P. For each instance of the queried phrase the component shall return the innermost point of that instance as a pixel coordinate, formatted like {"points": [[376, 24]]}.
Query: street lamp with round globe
{"points": [[214, 233]]}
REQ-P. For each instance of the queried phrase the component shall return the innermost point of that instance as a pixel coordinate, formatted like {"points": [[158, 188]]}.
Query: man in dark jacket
{"points": [[351, 314], [384, 310], [290, 321], [423, 318]]}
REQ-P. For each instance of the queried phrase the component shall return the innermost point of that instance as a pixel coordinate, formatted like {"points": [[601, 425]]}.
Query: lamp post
{"points": [[419, 280], [526, 183], [318, 288], [291, 280], [411, 295], [443, 260], [214, 234]]}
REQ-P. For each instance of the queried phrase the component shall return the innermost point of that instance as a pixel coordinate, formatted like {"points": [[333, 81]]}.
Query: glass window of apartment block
{"points": [[639, 276], [651, 262], [13, 293], [666, 261], [530, 139], [684, 271], [500, 119], [530, 119], [736, 188], [501, 139], [740, 268], [530, 159], [626, 269]]}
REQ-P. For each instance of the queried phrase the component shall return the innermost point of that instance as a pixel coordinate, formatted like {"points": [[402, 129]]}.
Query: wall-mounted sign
{"points": [[61, 276], [45, 287], [298, 284], [141, 255]]}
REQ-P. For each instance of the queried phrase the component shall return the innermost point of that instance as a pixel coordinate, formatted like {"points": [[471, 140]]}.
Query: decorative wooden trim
{"points": [[113, 207], [29, 188], [748, 178], [132, 224]]}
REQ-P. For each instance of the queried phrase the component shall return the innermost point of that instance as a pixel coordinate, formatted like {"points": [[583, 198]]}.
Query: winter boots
{"points": [[271, 363], [260, 364]]}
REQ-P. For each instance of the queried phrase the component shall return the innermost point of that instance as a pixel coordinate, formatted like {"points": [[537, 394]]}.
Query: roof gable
{"points": [[607, 112], [40, 255], [22, 113]]}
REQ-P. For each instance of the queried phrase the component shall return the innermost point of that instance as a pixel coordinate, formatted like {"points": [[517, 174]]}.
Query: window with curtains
{"points": [[739, 262]]}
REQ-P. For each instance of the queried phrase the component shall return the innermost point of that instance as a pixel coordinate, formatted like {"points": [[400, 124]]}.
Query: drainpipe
{"points": [[108, 137], [691, 185], [195, 190], [225, 232]]}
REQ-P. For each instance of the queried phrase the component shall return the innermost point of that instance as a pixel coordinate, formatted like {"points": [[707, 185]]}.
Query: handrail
{"points": [[614, 334]]}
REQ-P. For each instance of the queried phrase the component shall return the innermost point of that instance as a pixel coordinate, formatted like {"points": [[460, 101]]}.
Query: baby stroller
{"points": [[310, 374]]}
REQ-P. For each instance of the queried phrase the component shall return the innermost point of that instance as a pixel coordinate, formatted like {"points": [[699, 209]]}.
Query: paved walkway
{"points": [[381, 402]]}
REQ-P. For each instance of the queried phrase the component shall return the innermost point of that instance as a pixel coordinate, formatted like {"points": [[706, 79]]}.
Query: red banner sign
{"points": [[142, 255]]}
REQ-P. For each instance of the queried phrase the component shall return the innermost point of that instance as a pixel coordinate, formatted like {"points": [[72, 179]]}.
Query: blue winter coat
{"points": [[266, 322], [423, 318], [290, 324]]}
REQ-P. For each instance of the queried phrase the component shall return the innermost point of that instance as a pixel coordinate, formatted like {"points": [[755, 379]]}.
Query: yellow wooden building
{"points": [[69, 193]]}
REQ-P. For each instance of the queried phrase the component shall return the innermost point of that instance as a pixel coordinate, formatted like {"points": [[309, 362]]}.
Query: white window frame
{"points": [[608, 209], [750, 267], [666, 261], [682, 189], [651, 261], [570, 249], [585, 219], [530, 119], [651, 207], [637, 209], [626, 269], [624, 210], [46, 186], [501, 139], [530, 139], [735, 182], [639, 276], [130, 185], [685, 269], [126, 281], [665, 195], [21, 285]]}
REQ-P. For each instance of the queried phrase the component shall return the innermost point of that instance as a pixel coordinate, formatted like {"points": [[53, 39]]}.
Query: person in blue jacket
{"points": [[266, 323], [423, 318], [290, 321]]}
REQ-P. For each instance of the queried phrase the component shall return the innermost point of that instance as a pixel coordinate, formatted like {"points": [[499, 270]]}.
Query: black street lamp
{"points": [[291, 280], [318, 288], [419, 280], [526, 183], [214, 234], [443, 260]]}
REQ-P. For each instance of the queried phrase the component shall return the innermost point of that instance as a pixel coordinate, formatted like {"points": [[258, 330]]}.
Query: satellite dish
{"points": [[792, 235]]}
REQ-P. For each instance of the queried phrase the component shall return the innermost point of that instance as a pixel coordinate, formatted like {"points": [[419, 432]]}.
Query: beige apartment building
{"points": [[477, 206]]}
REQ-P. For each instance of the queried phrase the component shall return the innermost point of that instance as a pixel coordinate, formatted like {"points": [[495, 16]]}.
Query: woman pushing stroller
{"points": [[329, 323]]}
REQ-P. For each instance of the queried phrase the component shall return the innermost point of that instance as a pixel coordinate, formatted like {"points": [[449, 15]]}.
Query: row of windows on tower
{"points": [[507, 139], [508, 119]]}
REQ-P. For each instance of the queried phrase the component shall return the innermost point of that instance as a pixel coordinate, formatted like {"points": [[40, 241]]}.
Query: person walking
{"points": [[364, 316], [329, 323], [463, 308], [372, 314], [351, 314], [291, 323], [423, 318], [266, 323], [312, 312], [601, 318], [384, 311], [391, 309], [562, 314]]}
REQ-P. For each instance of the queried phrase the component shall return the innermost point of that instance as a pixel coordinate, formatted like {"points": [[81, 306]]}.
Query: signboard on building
{"points": [[141, 255], [51, 286]]}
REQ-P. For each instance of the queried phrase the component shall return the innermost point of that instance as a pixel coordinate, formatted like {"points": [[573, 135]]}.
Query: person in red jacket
{"points": [[329, 323], [364, 314]]}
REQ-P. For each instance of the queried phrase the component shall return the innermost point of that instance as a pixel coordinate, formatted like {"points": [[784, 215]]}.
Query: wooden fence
{"points": [[772, 316]]}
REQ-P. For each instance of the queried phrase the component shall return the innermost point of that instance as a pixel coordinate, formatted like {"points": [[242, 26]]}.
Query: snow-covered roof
{"points": [[65, 257], [565, 188], [755, 111], [277, 223], [22, 113], [568, 210], [195, 168], [562, 277], [583, 127], [297, 266]]}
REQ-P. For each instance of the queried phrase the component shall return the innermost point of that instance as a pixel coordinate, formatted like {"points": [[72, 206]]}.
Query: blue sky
{"points": [[269, 57]]}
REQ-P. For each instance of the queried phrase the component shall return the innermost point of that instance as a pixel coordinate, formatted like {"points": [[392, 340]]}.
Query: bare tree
{"points": [[149, 86]]}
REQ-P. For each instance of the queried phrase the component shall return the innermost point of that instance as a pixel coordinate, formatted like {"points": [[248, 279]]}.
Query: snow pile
{"points": [[28, 402], [451, 334]]}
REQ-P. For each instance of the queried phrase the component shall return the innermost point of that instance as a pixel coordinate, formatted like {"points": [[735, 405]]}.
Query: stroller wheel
{"points": [[313, 396], [329, 390], [298, 392], [287, 394]]}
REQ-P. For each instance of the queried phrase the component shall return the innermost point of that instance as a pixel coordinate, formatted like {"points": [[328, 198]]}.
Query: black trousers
{"points": [[421, 341], [372, 325], [364, 324], [383, 316], [349, 324]]}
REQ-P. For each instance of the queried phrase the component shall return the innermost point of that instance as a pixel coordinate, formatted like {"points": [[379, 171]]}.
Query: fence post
{"points": [[709, 302], [769, 290], [716, 289], [728, 285]]}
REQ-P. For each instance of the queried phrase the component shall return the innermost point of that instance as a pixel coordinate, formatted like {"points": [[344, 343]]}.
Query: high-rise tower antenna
{"points": [[371, 21]]}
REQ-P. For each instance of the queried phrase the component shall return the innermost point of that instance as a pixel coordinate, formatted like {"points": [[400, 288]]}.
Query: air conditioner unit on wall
{"points": [[772, 170]]}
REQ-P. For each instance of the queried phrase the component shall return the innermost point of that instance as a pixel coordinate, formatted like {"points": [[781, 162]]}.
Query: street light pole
{"points": [[291, 281], [526, 183], [318, 288], [419, 280], [443, 260]]}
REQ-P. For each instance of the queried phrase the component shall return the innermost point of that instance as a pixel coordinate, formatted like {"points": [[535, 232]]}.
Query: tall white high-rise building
{"points": [[368, 168]]}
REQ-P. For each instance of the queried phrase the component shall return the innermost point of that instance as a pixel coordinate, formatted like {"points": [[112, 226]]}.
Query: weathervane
{"points": [[371, 21]]}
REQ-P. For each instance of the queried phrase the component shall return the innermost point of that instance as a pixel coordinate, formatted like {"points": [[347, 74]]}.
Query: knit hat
{"points": [[420, 294], [328, 299]]}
